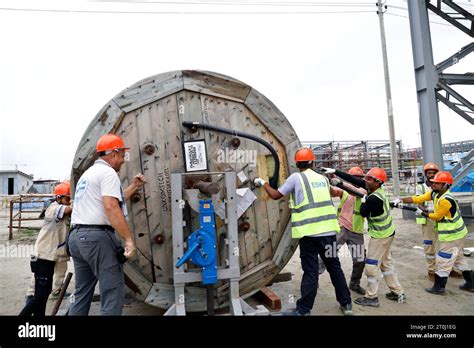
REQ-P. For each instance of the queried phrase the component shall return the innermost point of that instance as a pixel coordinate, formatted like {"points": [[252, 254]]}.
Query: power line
{"points": [[255, 3], [431, 22], [181, 12]]}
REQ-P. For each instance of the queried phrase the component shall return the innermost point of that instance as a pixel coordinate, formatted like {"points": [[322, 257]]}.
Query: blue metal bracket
{"points": [[202, 244]]}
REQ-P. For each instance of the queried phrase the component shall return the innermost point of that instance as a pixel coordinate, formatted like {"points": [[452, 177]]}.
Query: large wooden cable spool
{"points": [[149, 117]]}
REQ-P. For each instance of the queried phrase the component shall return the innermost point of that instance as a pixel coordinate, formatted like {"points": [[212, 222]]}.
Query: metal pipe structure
{"points": [[388, 92]]}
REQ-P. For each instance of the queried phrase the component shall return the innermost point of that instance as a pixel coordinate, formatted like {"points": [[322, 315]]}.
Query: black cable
{"points": [[276, 172], [141, 252], [397, 15], [254, 3], [182, 12]]}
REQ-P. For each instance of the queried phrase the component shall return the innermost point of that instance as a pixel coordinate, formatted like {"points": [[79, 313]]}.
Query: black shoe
{"points": [[469, 284], [346, 309], [357, 288], [400, 298], [365, 301], [439, 285], [296, 313]]}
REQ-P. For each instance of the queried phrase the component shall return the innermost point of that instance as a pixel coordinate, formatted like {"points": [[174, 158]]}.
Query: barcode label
{"points": [[195, 155]]}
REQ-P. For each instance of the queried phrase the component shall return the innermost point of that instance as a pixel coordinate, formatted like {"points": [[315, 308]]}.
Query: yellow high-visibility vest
{"points": [[381, 226], [450, 229], [357, 219], [316, 213]]}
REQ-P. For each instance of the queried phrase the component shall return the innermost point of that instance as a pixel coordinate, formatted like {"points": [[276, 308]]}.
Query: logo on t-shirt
{"points": [[80, 189]]}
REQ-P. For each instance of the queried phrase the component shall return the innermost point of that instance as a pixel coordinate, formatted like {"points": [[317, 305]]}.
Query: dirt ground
{"points": [[407, 254]]}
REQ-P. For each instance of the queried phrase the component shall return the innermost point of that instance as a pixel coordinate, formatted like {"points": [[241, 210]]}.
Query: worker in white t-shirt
{"points": [[99, 211]]}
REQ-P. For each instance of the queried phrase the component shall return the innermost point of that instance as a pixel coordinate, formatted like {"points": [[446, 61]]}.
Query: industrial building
{"points": [[14, 182]]}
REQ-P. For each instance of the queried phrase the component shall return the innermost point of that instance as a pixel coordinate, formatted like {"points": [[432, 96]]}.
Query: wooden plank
{"points": [[282, 277], [149, 90], [106, 121], [215, 84], [270, 116], [252, 280], [130, 134], [190, 109], [142, 284], [172, 162], [253, 126], [269, 298], [286, 248], [146, 120], [162, 296], [158, 197]]}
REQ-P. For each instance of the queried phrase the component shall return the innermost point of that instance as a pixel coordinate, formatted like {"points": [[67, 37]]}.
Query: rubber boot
{"points": [[469, 284], [439, 285]]}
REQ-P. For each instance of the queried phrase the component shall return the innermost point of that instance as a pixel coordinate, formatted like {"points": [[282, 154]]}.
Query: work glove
{"points": [[335, 182], [328, 170], [258, 182], [419, 211], [363, 199], [396, 202]]}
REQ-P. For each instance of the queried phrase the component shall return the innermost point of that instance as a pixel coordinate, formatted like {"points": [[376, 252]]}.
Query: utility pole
{"points": [[393, 146]]}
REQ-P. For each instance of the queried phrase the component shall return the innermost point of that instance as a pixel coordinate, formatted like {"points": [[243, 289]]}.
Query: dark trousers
{"points": [[44, 271], [310, 248], [355, 243], [93, 252]]}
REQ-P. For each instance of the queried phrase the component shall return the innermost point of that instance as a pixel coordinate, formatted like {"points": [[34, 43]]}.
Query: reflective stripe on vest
{"points": [[420, 219], [316, 213], [357, 219], [450, 229], [381, 226]]}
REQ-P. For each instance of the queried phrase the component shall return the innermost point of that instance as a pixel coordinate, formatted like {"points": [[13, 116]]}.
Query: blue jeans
{"points": [[310, 248]]}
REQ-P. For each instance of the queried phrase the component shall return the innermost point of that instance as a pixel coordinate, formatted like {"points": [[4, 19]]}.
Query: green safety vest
{"points": [[381, 226], [420, 219], [357, 219], [316, 213], [450, 229]]}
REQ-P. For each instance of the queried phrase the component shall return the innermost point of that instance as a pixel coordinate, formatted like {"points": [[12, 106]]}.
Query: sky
{"points": [[324, 71]]}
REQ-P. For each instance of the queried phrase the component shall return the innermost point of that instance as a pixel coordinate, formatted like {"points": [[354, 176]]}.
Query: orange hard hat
{"points": [[110, 142], [430, 166], [443, 177], [63, 189], [304, 154], [356, 171], [378, 174]]}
